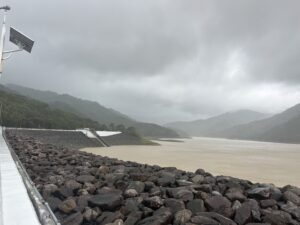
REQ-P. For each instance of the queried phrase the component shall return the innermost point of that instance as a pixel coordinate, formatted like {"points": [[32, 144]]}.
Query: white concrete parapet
{"points": [[16, 207]]}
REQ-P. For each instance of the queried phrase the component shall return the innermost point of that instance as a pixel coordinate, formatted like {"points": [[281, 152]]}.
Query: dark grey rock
{"points": [[130, 193], [267, 203], [278, 217], [196, 206], [236, 204], [203, 220], [67, 206], [109, 217], [106, 201], [73, 219], [183, 183], [180, 193], [292, 209], [198, 179], [131, 205], [163, 216], [137, 185], [165, 181], [49, 189], [90, 214], [217, 217], [181, 217], [63, 192], [133, 218], [295, 190], [53, 202], [174, 204], [258, 224], [73, 185], [292, 197], [259, 192], [154, 202], [82, 202], [235, 194], [85, 178], [219, 205]]}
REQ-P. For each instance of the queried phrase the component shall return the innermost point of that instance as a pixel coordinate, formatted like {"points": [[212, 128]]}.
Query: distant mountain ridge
{"points": [[211, 126], [248, 125], [94, 111], [282, 127]]}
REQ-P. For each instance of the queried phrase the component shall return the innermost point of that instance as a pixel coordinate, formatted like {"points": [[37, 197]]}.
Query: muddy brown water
{"points": [[262, 162]]}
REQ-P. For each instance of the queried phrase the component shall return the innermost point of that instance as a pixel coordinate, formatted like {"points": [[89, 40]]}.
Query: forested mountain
{"points": [[20, 111], [93, 110]]}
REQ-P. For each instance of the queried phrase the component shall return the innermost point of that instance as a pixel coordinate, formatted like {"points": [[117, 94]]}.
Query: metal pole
{"points": [[2, 42]]}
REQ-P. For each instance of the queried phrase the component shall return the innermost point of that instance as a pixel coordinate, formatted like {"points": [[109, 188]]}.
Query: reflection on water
{"points": [[257, 161]]}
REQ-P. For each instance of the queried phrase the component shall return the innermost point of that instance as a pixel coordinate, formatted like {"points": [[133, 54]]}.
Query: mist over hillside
{"points": [[282, 127], [94, 111], [247, 125], [208, 127]]}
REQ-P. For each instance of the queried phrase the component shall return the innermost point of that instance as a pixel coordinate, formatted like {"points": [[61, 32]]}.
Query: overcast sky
{"points": [[160, 60]]}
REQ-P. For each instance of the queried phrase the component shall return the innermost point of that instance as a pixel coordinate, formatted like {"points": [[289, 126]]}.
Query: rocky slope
{"points": [[86, 189]]}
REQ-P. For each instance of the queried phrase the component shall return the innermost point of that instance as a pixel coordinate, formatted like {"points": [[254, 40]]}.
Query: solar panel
{"points": [[21, 40]]}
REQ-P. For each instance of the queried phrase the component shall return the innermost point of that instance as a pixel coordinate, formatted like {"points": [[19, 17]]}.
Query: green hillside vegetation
{"points": [[94, 111], [19, 111]]}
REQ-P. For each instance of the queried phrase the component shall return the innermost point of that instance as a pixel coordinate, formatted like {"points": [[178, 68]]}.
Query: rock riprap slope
{"points": [[83, 188]]}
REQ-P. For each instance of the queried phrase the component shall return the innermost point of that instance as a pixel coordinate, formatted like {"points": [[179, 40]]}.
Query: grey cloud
{"points": [[163, 60]]}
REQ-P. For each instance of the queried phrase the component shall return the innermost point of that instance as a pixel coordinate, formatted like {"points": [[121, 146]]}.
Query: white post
{"points": [[2, 42]]}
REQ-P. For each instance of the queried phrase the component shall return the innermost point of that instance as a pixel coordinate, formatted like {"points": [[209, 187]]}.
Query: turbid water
{"points": [[256, 161]]}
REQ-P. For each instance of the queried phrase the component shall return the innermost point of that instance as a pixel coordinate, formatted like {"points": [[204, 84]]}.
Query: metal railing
{"points": [[42, 208]]}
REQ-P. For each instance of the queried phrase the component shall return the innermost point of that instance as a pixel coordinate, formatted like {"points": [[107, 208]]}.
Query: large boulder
{"points": [[73, 185], [49, 189], [235, 194], [106, 201], [73, 219], [163, 216], [67, 206], [154, 202], [181, 217], [259, 192], [181, 193], [174, 204], [196, 206], [217, 217], [292, 197], [137, 185], [278, 217], [198, 179], [204, 220], [219, 204], [248, 212], [292, 209], [109, 217]]}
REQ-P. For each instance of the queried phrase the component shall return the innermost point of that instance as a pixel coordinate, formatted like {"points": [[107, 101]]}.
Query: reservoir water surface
{"points": [[263, 162]]}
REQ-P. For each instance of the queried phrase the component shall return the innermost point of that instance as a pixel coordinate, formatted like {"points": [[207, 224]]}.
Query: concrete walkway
{"points": [[15, 205]]}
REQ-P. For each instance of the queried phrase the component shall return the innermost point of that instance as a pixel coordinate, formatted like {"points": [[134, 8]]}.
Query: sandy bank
{"points": [[255, 161]]}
